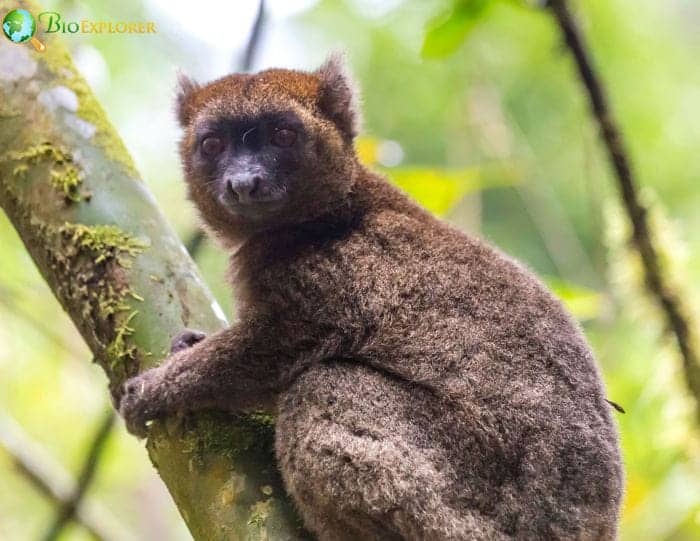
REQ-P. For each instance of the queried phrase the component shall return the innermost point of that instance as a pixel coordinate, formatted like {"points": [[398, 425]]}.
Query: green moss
{"points": [[213, 433], [119, 348], [20, 171], [112, 301], [107, 245], [264, 420], [87, 265], [35, 153], [86, 268], [68, 182], [135, 296], [259, 512], [63, 175], [106, 241]]}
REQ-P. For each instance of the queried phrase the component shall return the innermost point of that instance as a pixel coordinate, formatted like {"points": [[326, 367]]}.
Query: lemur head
{"points": [[268, 149]]}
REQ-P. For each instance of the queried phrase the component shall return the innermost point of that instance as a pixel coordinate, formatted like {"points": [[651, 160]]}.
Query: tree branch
{"points": [[55, 483], [68, 508], [254, 39], [656, 281]]}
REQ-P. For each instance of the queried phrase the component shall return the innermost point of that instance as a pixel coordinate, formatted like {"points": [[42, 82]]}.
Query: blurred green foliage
{"points": [[439, 190], [447, 32], [495, 136]]}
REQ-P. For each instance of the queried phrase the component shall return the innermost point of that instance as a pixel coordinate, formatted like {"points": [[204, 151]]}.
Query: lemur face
{"points": [[249, 163], [268, 149]]}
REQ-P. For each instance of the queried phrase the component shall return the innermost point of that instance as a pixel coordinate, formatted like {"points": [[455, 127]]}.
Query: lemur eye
{"points": [[211, 146], [284, 137]]}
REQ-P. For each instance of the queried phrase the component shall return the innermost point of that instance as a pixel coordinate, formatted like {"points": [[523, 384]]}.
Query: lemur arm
{"points": [[234, 369]]}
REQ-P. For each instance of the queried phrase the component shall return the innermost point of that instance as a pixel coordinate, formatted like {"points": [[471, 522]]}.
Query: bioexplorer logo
{"points": [[19, 26]]}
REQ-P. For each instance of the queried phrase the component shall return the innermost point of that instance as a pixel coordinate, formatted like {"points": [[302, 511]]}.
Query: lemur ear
{"points": [[338, 98], [183, 102]]}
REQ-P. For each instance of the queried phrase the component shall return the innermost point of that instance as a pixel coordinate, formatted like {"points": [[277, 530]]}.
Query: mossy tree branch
{"points": [[657, 281], [94, 231]]}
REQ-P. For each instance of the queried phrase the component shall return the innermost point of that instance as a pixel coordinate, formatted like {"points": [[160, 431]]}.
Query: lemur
{"points": [[425, 385]]}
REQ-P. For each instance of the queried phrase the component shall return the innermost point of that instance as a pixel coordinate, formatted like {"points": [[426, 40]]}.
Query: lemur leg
{"points": [[354, 478]]}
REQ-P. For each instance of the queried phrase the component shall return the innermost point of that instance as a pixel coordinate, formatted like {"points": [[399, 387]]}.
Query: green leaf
{"points": [[439, 190], [448, 31], [582, 302]]}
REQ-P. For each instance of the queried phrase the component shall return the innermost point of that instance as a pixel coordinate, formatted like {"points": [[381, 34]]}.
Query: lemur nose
{"points": [[244, 187]]}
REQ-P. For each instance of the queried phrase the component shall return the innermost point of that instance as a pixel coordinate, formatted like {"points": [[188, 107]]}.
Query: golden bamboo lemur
{"points": [[426, 386]]}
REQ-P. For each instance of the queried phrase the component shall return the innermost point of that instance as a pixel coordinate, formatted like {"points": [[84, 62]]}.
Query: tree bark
{"points": [[94, 231]]}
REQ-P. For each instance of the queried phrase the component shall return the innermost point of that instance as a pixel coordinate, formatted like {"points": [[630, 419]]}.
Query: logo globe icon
{"points": [[19, 26]]}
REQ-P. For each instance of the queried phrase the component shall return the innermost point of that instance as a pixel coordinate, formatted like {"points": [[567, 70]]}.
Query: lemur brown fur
{"points": [[426, 386]]}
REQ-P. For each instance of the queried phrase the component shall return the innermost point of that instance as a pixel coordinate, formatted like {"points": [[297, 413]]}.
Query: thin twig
{"points": [[247, 60], [253, 45], [49, 478], [68, 507], [194, 243], [656, 280]]}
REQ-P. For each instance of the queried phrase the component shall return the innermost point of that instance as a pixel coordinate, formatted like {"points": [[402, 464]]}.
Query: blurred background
{"points": [[484, 121]]}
